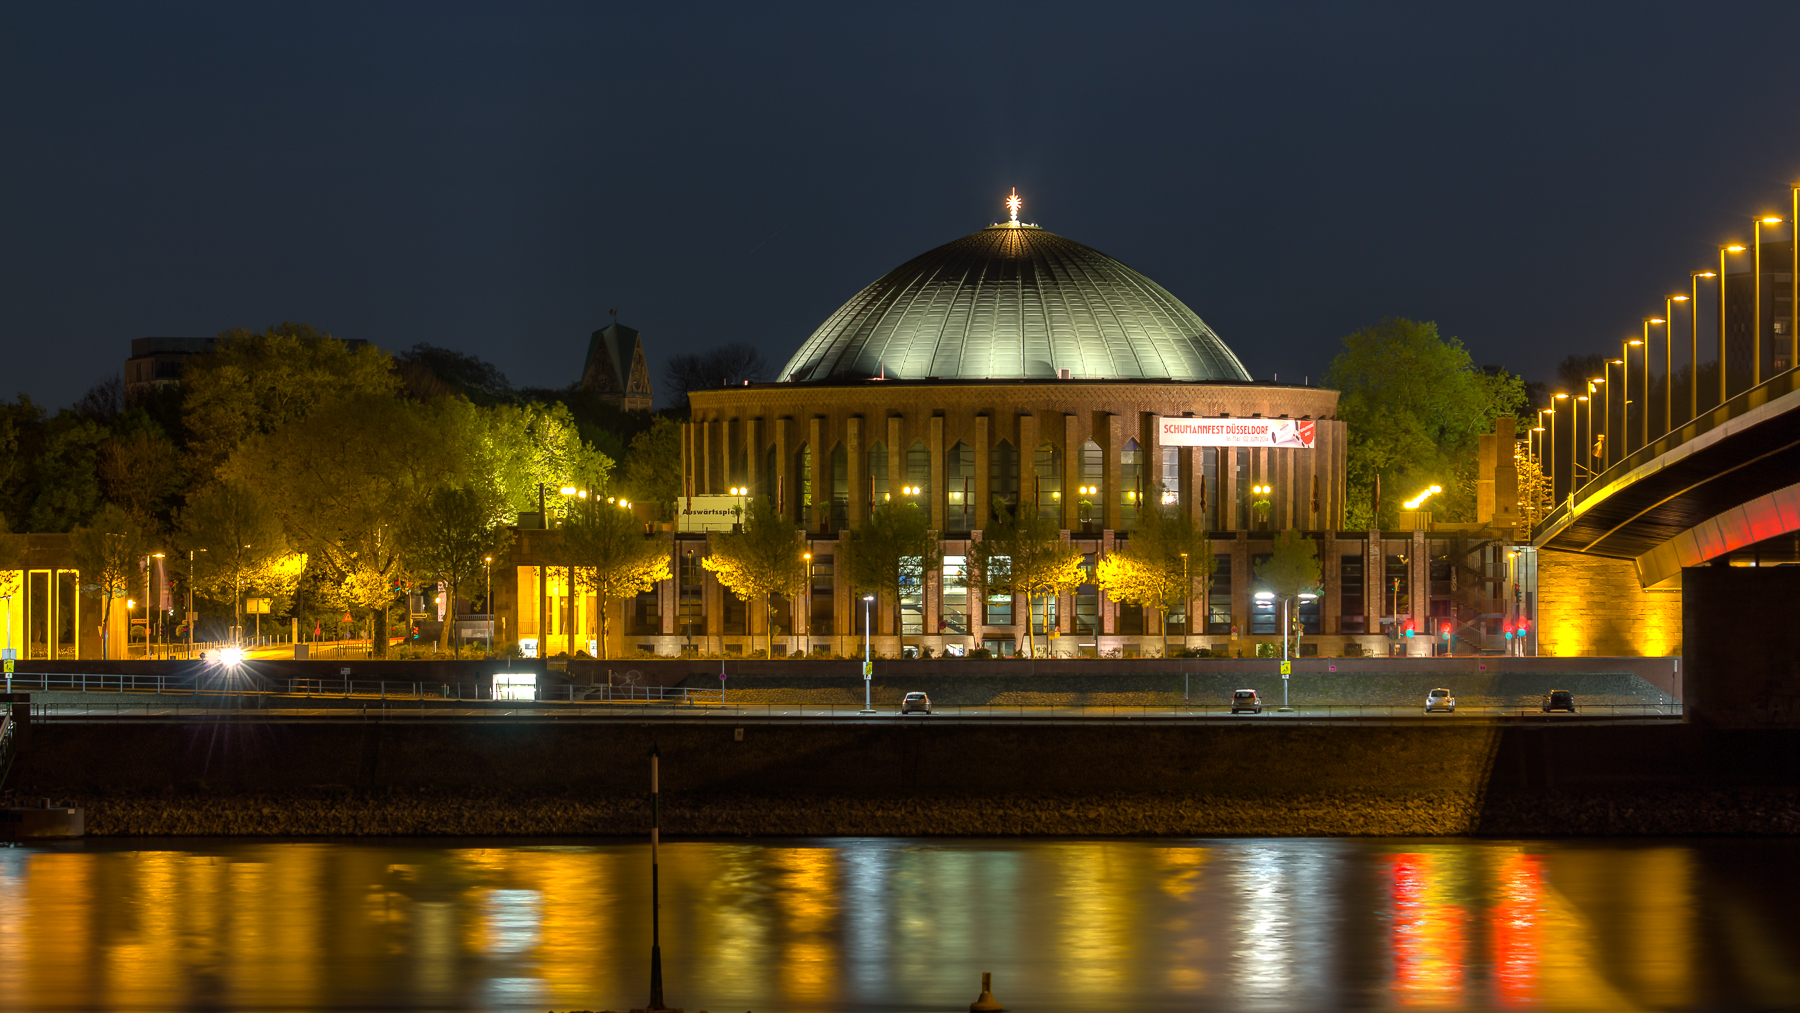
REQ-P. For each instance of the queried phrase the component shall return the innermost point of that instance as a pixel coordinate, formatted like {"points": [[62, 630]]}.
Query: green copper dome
{"points": [[1014, 302]]}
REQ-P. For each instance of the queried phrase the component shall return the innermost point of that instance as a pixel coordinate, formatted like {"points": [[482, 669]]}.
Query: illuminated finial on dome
{"points": [[1013, 204]]}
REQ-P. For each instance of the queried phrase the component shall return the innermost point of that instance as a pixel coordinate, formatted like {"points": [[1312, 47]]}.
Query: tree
{"points": [[15, 557], [344, 481], [251, 384], [1413, 404], [761, 560], [1150, 570], [890, 553], [1292, 569], [139, 470], [724, 366], [449, 539], [426, 368], [64, 473], [236, 538], [1021, 553], [107, 551], [610, 555], [653, 465]]}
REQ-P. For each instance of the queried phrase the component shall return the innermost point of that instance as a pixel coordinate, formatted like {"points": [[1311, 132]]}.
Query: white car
{"points": [[1440, 700], [915, 702]]}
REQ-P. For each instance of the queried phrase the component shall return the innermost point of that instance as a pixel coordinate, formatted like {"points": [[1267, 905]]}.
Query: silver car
{"points": [[915, 702], [1440, 700]]}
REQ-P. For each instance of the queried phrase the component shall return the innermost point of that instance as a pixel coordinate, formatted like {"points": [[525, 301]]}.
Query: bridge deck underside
{"points": [[1658, 501]]}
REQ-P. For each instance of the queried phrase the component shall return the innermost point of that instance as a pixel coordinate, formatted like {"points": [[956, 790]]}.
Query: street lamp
{"points": [[807, 591], [1756, 296], [1270, 596], [1606, 449], [868, 666], [1645, 413], [487, 571], [1576, 443], [1261, 506], [1187, 603], [192, 617], [1694, 351], [1724, 391], [1625, 347], [1669, 361]]}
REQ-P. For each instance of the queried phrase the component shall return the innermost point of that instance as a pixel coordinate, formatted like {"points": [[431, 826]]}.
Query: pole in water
{"points": [[656, 991], [986, 1003]]}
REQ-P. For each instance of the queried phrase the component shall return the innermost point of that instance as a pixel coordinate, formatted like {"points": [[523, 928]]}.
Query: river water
{"points": [[883, 924]]}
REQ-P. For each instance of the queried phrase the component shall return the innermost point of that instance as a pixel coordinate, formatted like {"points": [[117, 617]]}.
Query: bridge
{"points": [[1712, 508]]}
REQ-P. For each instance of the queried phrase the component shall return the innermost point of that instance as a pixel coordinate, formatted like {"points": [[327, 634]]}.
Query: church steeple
{"points": [[616, 368]]}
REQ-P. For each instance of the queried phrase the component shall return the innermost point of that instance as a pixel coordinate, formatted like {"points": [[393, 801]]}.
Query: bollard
{"points": [[986, 1003]]}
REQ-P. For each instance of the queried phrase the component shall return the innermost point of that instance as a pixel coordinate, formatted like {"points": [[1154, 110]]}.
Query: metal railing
{"points": [[403, 708]]}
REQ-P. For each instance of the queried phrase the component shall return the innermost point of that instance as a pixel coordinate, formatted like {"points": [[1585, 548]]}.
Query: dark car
{"points": [[1559, 700], [1246, 700]]}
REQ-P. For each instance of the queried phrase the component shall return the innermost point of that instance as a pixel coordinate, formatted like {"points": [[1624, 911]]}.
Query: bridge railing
{"points": [[1776, 386]]}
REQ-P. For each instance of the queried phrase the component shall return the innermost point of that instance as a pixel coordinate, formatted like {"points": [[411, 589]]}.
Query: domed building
{"points": [[1020, 366], [1011, 365]]}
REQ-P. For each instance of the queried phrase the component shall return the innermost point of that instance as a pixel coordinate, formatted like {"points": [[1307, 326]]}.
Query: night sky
{"points": [[494, 178]]}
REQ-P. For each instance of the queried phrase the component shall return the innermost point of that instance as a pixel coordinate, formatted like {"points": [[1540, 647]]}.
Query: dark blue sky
{"points": [[493, 178]]}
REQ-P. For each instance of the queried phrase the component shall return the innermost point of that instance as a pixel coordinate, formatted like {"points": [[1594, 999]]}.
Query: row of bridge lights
{"points": [[1597, 386]]}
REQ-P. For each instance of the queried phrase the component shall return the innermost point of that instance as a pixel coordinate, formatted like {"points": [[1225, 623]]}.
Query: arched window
{"points": [[878, 475], [918, 474], [803, 469], [959, 488], [1046, 474], [1003, 474], [1131, 484], [1093, 486], [840, 488]]}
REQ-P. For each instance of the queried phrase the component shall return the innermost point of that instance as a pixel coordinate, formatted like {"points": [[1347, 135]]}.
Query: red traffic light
{"points": [[1408, 629]]}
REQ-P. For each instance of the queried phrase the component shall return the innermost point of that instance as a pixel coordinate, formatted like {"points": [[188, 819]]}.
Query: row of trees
{"points": [[1165, 563], [288, 465]]}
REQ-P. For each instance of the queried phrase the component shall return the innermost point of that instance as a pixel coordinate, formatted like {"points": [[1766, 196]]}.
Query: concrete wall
{"points": [[1744, 653], [1592, 606]]}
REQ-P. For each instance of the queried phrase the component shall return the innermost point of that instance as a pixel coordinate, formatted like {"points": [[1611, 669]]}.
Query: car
{"points": [[1440, 700], [915, 702], [1246, 700], [1559, 700]]}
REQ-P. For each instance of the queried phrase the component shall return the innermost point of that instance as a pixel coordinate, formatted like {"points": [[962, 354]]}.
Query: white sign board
{"points": [[707, 513], [515, 686], [1192, 432]]}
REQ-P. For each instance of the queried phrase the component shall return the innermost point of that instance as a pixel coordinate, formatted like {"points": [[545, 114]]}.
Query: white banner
{"points": [[707, 513], [1192, 432]]}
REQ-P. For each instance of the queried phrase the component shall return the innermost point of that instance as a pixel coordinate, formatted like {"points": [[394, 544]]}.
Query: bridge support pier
{"points": [[1740, 633]]}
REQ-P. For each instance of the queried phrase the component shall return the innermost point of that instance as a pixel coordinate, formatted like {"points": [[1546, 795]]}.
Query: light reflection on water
{"points": [[876, 924]]}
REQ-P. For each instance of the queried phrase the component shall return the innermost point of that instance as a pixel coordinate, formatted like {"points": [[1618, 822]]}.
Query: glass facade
{"points": [[959, 492], [819, 613], [1046, 470], [1131, 481], [912, 597], [1003, 474], [953, 614]]}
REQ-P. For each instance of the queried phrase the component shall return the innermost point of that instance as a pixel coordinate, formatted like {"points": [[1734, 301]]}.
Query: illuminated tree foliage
{"points": [[449, 538], [611, 556], [890, 553], [1148, 568], [1023, 554], [238, 544], [653, 466], [762, 559], [107, 551], [1291, 569], [1413, 404]]}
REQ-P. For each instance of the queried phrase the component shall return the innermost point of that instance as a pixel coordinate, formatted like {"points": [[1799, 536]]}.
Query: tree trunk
{"points": [[378, 628]]}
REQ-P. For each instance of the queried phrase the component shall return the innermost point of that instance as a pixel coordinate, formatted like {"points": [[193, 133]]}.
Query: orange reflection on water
{"points": [[1515, 928], [1427, 930]]}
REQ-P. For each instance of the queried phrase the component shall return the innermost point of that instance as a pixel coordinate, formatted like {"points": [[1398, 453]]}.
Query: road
{"points": [[412, 710]]}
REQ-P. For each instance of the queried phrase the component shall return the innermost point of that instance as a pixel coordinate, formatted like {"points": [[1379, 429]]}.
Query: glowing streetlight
{"points": [[1694, 350], [1756, 296], [1419, 500], [868, 665], [1723, 250]]}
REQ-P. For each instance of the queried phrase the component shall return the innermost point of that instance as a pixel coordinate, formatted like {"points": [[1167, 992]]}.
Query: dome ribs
{"points": [[1015, 303]]}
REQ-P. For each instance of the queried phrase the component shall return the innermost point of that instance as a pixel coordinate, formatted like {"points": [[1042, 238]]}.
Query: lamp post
{"points": [[191, 617], [1644, 413], [1606, 450], [1669, 360], [1187, 603], [806, 648], [1625, 347], [1756, 296], [1694, 351], [1261, 506], [1266, 596], [868, 665], [1577, 444], [487, 572], [1724, 391]]}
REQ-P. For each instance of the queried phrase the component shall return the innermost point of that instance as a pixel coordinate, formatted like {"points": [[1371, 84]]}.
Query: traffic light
{"points": [[1507, 626], [1444, 631], [1409, 631]]}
